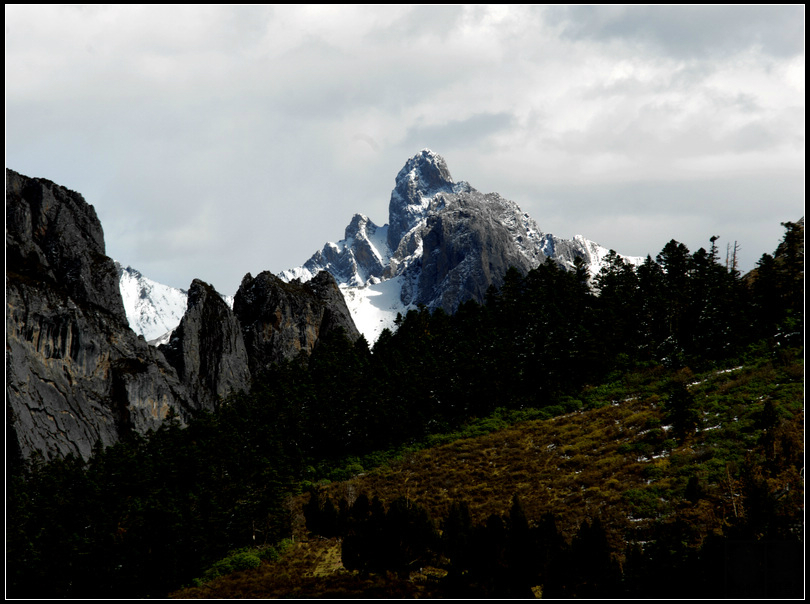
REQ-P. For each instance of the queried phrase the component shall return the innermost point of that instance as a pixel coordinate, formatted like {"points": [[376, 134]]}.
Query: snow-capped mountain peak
{"points": [[360, 257], [445, 243], [423, 177]]}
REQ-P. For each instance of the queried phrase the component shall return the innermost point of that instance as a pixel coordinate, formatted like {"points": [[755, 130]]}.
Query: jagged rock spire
{"points": [[423, 175], [207, 349]]}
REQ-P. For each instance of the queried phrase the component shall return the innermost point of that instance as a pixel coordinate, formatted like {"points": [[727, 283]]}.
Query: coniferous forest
{"points": [[671, 395]]}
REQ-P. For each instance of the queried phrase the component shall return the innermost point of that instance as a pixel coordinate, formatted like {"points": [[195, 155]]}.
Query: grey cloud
{"points": [[219, 141], [746, 208], [318, 81], [460, 133], [683, 78], [689, 31], [669, 129], [420, 22]]}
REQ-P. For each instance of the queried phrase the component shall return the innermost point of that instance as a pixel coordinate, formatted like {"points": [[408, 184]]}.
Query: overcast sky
{"points": [[216, 141]]}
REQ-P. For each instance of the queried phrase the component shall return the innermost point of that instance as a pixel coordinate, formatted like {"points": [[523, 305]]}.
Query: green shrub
{"points": [[244, 559], [645, 503], [653, 472]]}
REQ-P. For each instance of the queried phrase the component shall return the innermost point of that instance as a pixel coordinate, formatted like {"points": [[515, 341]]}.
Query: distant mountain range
{"points": [[445, 243]]}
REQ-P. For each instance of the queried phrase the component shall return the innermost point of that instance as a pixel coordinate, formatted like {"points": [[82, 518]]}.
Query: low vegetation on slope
{"points": [[664, 484]]}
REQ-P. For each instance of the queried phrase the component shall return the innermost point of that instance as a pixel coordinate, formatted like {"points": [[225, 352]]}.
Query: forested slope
{"points": [[677, 389], [607, 501]]}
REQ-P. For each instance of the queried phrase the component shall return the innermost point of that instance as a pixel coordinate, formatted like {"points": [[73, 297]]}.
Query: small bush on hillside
{"points": [[243, 559]]}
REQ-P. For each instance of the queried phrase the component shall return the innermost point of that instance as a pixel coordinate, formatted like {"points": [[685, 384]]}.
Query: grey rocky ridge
{"points": [[77, 376], [445, 241]]}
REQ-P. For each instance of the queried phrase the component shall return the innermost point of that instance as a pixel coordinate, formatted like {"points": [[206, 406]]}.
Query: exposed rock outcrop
{"points": [[54, 236], [355, 261], [75, 373], [207, 348], [280, 320], [467, 248]]}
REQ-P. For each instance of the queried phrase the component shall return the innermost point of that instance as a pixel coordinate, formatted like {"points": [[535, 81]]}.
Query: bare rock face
{"points": [[54, 236], [354, 260], [78, 376], [75, 373], [281, 320], [467, 247], [458, 241], [207, 348]]}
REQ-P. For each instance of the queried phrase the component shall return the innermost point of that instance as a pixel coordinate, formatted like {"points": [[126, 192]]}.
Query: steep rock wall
{"points": [[75, 373], [281, 320], [207, 348]]}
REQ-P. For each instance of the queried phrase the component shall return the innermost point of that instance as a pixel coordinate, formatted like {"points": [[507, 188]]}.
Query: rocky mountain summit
{"points": [[208, 349], [445, 243], [78, 376]]}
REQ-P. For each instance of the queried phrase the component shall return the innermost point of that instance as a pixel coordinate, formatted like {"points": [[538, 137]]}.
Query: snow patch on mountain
{"points": [[596, 254], [153, 309], [374, 307]]}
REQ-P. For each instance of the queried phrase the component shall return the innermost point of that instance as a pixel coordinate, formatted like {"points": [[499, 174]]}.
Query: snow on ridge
{"points": [[378, 239], [152, 308], [299, 272]]}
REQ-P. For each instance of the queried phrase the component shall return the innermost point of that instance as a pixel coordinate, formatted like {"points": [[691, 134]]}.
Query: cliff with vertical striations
{"points": [[75, 373]]}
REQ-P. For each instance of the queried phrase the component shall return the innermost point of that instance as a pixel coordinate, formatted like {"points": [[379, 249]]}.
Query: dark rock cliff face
{"points": [[454, 242], [54, 236], [207, 348], [75, 373], [280, 320]]}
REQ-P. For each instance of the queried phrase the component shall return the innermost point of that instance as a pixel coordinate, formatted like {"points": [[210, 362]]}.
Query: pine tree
{"points": [[681, 407]]}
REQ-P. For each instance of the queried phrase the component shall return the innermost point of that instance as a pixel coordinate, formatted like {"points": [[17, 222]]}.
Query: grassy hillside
{"points": [[716, 454]]}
